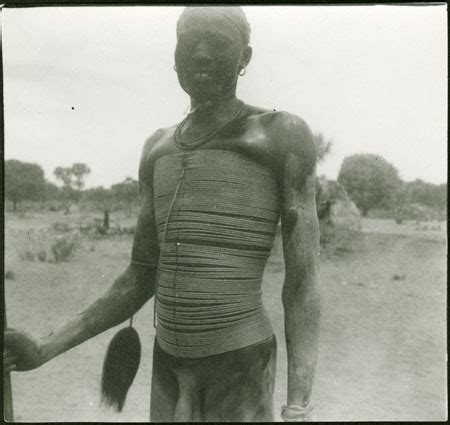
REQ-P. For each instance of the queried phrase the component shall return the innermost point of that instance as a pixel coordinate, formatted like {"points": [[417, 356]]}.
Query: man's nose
{"points": [[201, 51]]}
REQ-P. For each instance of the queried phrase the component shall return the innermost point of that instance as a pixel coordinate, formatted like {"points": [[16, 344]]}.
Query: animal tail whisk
{"points": [[120, 366]]}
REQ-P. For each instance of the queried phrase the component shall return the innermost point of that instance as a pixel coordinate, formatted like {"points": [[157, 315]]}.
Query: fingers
{"points": [[8, 369], [16, 340], [9, 339], [9, 362], [8, 356], [20, 352]]}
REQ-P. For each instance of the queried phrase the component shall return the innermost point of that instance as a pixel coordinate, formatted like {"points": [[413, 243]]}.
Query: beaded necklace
{"points": [[192, 144]]}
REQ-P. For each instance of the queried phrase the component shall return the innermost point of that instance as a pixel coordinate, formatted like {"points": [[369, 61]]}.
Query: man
{"points": [[213, 189]]}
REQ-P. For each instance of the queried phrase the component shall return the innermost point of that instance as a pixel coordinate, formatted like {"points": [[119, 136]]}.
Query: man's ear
{"points": [[246, 55]]}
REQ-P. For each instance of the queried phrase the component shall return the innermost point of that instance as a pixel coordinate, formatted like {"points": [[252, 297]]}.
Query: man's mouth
{"points": [[203, 75]]}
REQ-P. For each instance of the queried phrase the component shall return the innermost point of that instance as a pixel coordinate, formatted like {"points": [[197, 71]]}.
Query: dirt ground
{"points": [[383, 339]]}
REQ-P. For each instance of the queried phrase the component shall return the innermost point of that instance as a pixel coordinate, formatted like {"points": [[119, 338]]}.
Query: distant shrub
{"points": [[415, 212], [63, 247], [129, 230], [61, 227], [97, 230], [339, 241], [9, 275], [102, 230], [381, 213], [28, 256], [42, 256]]}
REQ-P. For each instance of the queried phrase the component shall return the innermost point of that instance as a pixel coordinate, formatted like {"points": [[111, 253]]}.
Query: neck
{"points": [[212, 106], [206, 119]]}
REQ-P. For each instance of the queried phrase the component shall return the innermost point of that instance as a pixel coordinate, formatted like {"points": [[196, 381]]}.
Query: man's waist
{"points": [[198, 312], [182, 339]]}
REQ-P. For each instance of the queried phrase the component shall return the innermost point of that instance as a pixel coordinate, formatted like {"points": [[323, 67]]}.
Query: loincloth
{"points": [[236, 386]]}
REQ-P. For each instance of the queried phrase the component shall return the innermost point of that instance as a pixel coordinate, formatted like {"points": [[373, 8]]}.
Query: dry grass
{"points": [[383, 340]]}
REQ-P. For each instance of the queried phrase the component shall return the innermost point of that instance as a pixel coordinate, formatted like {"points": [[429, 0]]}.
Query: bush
{"points": [[370, 180], [61, 227], [63, 247], [28, 256], [384, 213], [129, 230], [42, 256], [415, 212]]}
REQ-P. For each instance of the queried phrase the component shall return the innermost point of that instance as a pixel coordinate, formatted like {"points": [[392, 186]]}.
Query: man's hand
{"points": [[21, 352]]}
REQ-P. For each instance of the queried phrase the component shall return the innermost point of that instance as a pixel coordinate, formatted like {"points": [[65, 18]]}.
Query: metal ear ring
{"points": [[242, 71]]}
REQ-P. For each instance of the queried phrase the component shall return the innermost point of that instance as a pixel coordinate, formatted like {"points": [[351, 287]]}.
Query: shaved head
{"points": [[233, 15], [212, 49]]}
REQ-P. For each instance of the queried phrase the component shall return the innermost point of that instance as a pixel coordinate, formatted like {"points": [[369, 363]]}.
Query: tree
{"points": [[429, 194], [51, 191], [51, 195], [23, 181], [72, 179], [80, 172], [370, 181], [65, 175], [420, 200], [323, 146], [126, 193], [441, 196]]}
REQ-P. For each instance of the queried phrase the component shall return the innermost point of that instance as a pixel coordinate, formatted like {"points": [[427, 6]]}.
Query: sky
{"points": [[90, 84]]}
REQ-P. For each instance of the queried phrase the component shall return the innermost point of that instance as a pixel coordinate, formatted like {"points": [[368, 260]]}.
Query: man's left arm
{"points": [[301, 301]]}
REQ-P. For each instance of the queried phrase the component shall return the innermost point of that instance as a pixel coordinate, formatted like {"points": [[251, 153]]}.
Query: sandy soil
{"points": [[383, 341]]}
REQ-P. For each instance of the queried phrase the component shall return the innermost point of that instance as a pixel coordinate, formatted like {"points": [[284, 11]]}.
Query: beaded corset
{"points": [[216, 214]]}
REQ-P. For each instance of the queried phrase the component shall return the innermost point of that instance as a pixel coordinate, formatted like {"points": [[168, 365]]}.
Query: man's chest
{"points": [[251, 138]]}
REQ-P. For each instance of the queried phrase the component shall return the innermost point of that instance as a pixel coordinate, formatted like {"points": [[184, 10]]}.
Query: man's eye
{"points": [[216, 44]]}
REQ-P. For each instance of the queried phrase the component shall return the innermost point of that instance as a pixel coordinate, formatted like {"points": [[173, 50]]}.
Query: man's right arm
{"points": [[125, 297], [130, 291]]}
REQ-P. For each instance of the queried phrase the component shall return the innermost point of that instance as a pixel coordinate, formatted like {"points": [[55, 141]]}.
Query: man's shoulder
{"points": [[288, 133], [154, 147], [158, 139]]}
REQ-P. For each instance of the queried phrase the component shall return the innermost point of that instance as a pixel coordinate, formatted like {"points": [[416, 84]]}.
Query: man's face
{"points": [[208, 54]]}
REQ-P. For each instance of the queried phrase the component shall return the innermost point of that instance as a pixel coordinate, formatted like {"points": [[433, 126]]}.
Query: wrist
{"points": [[296, 412]]}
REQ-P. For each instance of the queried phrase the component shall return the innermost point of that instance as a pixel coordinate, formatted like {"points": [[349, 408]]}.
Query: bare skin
{"points": [[278, 140]]}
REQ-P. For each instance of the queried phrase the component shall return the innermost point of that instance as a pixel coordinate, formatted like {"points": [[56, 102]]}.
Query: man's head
{"points": [[212, 48]]}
